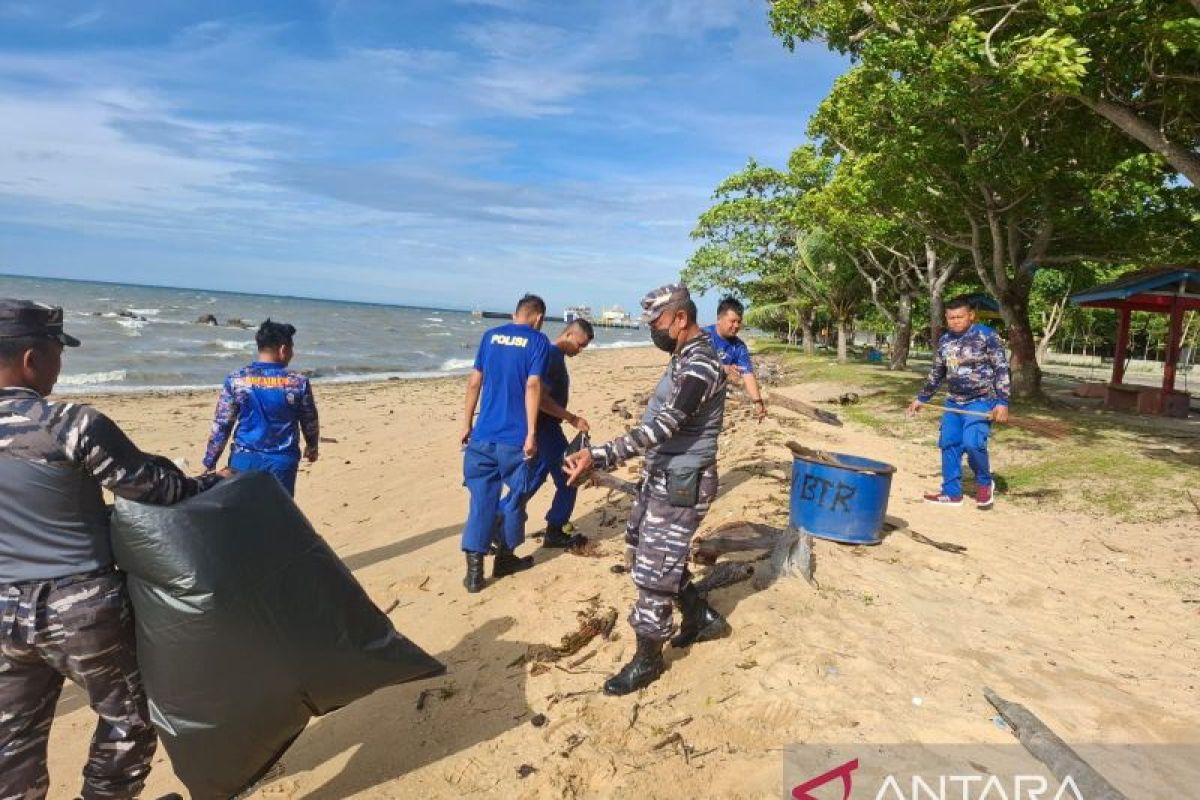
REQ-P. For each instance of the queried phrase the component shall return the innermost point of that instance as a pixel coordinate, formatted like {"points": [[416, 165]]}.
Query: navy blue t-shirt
{"points": [[556, 383], [507, 356], [733, 352]]}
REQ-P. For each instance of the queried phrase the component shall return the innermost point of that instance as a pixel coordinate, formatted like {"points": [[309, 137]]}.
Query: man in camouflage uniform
{"points": [[678, 436], [63, 607]]}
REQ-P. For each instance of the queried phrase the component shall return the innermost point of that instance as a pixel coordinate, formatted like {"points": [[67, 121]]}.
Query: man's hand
{"points": [[577, 466], [530, 448], [465, 436], [580, 424], [913, 408], [733, 374], [310, 454], [999, 414], [760, 409], [224, 472]]}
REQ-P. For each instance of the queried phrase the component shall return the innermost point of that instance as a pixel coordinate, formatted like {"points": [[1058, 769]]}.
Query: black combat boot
{"points": [[474, 579], [701, 621], [555, 537], [509, 563], [643, 670]]}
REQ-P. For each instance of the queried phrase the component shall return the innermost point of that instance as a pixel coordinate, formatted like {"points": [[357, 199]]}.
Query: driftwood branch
{"points": [[735, 537], [1044, 745], [724, 574], [804, 409], [606, 480], [949, 547]]}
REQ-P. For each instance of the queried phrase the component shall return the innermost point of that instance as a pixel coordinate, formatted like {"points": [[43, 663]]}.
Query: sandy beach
{"points": [[1092, 623]]}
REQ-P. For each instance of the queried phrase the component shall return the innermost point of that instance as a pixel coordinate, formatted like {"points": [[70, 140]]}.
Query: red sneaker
{"points": [[983, 497], [944, 499]]}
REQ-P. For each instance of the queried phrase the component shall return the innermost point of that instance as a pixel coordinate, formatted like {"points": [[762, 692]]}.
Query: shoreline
{"points": [[96, 390]]}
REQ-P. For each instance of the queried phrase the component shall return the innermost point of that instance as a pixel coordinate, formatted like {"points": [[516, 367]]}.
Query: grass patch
{"points": [[1110, 465], [1112, 479]]}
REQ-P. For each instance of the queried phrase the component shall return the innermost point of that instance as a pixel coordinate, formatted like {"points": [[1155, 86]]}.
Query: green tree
{"points": [[1132, 63], [1011, 182], [759, 239]]}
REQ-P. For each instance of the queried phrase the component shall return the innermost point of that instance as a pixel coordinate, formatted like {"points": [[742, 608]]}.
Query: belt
{"points": [[19, 602], [65, 580]]}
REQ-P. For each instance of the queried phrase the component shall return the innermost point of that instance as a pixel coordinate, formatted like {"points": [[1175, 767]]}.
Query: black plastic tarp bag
{"points": [[247, 625]]}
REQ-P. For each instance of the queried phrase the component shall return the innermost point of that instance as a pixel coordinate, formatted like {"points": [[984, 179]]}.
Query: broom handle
{"points": [[964, 412]]}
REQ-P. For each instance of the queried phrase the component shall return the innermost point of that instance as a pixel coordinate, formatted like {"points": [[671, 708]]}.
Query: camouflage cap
{"points": [[662, 298], [24, 318]]}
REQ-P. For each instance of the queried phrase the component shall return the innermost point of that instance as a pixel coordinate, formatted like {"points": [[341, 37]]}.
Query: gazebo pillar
{"points": [[1118, 373], [1174, 333]]}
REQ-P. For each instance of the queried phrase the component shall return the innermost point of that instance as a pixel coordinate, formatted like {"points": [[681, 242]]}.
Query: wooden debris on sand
{"points": [[1044, 745], [734, 537], [948, 547], [591, 625], [792, 556], [726, 573], [606, 480], [804, 409], [791, 551]]}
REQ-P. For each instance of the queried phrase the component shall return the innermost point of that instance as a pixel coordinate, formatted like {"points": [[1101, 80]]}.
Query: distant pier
{"points": [[627, 324]]}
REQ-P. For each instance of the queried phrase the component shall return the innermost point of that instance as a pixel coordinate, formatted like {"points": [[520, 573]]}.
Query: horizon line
{"points": [[229, 292]]}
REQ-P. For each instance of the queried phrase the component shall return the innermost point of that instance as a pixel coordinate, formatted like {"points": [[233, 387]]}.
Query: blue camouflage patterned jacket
{"points": [[270, 405], [973, 366]]}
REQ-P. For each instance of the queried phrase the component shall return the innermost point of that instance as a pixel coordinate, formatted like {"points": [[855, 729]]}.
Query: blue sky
{"points": [[432, 152]]}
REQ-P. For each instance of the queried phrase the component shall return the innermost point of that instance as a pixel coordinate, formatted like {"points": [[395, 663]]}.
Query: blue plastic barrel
{"points": [[843, 502]]}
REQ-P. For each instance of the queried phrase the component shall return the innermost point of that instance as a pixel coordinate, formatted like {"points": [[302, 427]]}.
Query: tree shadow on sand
{"points": [[403, 728]]}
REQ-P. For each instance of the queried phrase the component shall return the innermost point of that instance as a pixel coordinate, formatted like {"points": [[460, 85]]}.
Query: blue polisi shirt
{"points": [[732, 352], [507, 357]]}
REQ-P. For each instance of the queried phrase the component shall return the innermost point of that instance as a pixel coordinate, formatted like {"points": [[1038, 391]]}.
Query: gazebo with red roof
{"points": [[1163, 290]]}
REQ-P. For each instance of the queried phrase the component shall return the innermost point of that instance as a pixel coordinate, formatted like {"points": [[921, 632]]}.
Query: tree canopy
{"points": [[1010, 138]]}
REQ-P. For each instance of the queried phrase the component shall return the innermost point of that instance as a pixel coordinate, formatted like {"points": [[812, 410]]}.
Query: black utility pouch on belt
{"points": [[683, 487]]}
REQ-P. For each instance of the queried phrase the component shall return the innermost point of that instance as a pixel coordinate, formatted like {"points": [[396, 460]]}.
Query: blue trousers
{"points": [[284, 467], [965, 434], [488, 469], [552, 446]]}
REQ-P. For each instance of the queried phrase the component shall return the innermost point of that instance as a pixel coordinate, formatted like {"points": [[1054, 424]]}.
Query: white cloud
{"points": [[518, 158], [86, 18]]}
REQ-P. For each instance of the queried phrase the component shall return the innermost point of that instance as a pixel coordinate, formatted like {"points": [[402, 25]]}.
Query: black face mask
{"points": [[663, 339]]}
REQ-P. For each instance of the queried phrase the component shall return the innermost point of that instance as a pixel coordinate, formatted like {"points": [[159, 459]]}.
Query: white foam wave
{"points": [[618, 345], [134, 326], [434, 319], [456, 364], [233, 344], [145, 312], [92, 378]]}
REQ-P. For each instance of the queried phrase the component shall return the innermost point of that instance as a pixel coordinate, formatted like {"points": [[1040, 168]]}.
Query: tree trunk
{"points": [[806, 330], [937, 316], [1026, 374], [843, 335], [1129, 123], [902, 336]]}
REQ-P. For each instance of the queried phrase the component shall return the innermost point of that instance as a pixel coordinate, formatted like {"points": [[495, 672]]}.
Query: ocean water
{"points": [[138, 338]]}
